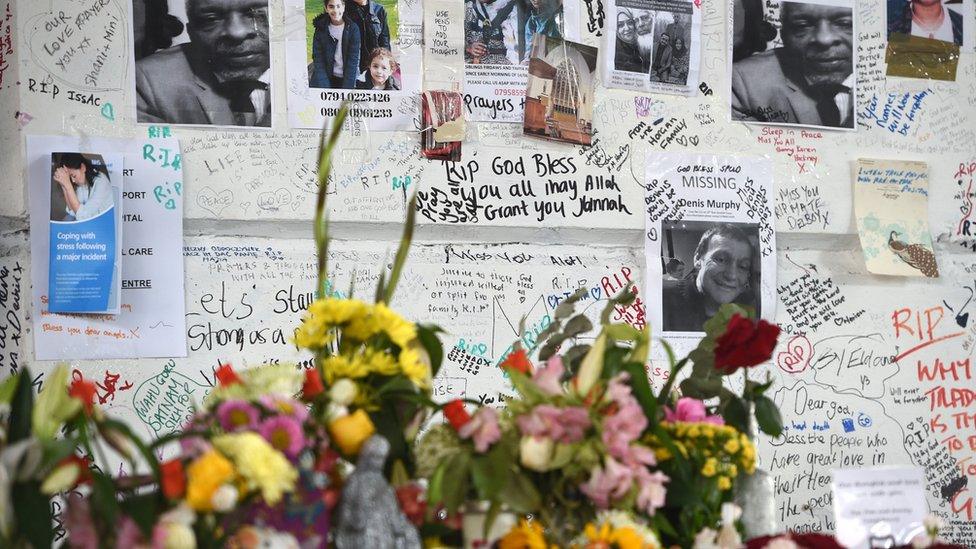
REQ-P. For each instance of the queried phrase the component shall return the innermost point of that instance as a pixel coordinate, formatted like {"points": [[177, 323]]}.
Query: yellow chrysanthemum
{"points": [[264, 468], [732, 446], [710, 467], [724, 483], [338, 366], [400, 331], [381, 362], [414, 368], [203, 476], [336, 312], [525, 535]]}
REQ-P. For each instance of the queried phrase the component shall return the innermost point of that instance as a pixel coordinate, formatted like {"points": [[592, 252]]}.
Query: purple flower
{"points": [[237, 414], [549, 377], [691, 410], [284, 433], [78, 523], [287, 406], [482, 429], [565, 425]]}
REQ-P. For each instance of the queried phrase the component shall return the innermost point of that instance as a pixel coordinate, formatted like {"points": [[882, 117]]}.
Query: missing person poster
{"points": [[498, 38], [84, 256], [891, 203], [559, 92], [216, 73], [367, 52], [802, 76], [655, 46], [710, 239]]}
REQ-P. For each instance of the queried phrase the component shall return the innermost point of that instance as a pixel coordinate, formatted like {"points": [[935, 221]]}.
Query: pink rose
{"points": [[549, 377], [691, 410], [623, 428], [650, 490], [609, 483]]}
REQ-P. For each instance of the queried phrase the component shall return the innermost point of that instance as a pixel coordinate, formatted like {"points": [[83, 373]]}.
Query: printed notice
{"points": [[146, 316], [891, 202], [655, 46], [881, 507], [710, 239]]}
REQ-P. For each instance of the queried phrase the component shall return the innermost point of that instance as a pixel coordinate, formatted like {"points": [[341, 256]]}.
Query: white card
{"points": [[884, 504]]}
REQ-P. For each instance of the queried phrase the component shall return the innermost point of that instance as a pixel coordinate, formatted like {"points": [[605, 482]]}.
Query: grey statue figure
{"points": [[369, 515]]}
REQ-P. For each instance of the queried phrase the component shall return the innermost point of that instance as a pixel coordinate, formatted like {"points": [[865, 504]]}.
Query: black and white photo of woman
{"points": [[80, 187], [626, 55], [336, 47]]}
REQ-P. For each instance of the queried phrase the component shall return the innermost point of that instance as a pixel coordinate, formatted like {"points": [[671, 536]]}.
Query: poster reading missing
{"points": [[804, 78], [498, 39], [710, 239], [654, 46], [366, 52], [217, 73]]}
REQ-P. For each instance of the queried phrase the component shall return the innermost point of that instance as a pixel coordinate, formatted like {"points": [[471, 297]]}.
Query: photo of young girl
{"points": [[335, 49], [379, 75]]}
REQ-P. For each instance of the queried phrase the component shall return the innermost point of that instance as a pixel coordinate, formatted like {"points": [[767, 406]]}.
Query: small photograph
{"points": [[670, 54], [217, 72], [635, 39], [707, 264], [809, 80], [932, 19], [494, 31], [545, 17], [80, 187], [559, 94], [349, 44]]}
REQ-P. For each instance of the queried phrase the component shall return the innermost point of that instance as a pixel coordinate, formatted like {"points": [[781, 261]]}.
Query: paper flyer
{"points": [[147, 321], [796, 67], [879, 506], [85, 217], [559, 93], [710, 239], [655, 46], [368, 53], [891, 204]]}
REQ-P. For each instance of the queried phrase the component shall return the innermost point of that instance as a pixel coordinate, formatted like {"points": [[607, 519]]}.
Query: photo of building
{"points": [[559, 95]]}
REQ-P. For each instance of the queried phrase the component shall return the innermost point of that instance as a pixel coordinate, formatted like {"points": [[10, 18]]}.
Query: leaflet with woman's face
{"points": [[710, 240], [366, 52]]}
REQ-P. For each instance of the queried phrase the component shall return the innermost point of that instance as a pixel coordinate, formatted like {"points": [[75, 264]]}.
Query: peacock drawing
{"points": [[916, 255]]}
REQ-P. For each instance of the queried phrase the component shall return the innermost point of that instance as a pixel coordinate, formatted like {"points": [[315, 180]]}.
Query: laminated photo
{"points": [[710, 240], [203, 63], [367, 52], [559, 93], [654, 46], [797, 69], [498, 38]]}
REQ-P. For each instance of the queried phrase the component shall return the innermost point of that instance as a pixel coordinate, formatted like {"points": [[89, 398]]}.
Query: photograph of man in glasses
{"points": [[222, 76]]}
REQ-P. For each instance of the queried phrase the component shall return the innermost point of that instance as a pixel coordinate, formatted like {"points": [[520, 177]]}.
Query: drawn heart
{"points": [[683, 141], [108, 111], [596, 293], [694, 140], [796, 357], [214, 202]]}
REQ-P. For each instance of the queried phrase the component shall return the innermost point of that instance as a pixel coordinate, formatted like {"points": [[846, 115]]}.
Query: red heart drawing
{"points": [[797, 355]]}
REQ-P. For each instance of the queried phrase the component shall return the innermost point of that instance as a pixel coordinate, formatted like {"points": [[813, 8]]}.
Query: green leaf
{"points": [[736, 414], [401, 255], [622, 332], [642, 347], [8, 388], [551, 346], [103, 502], [549, 330], [701, 387], [435, 490], [767, 416], [144, 510], [493, 510], [613, 361], [380, 286], [32, 513], [577, 325], [320, 224], [520, 494], [454, 488], [427, 334], [568, 306], [592, 366], [21, 408], [525, 387]]}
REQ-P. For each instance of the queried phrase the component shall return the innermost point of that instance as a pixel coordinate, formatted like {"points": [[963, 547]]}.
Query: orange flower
{"points": [[519, 361], [84, 391], [226, 375], [172, 478], [351, 431]]}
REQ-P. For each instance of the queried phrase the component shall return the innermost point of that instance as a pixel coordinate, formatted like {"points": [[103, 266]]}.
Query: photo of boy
{"points": [[379, 74], [335, 49]]}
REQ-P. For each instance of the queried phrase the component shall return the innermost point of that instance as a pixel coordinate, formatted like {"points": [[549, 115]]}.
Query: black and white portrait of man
{"points": [[221, 76]]}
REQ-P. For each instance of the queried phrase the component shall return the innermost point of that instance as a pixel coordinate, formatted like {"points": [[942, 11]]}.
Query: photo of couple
{"points": [[655, 43], [500, 32], [349, 44]]}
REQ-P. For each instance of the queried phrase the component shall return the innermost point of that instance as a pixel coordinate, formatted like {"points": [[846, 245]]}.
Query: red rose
{"points": [[519, 361], [226, 375], [172, 478], [313, 384], [744, 344], [84, 391], [411, 499], [455, 413]]}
